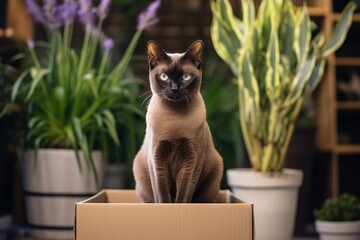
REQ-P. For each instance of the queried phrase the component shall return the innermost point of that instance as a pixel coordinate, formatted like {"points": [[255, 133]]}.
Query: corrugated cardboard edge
{"points": [[101, 197]]}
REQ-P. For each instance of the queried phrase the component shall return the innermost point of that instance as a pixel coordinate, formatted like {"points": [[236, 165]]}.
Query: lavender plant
{"points": [[72, 95]]}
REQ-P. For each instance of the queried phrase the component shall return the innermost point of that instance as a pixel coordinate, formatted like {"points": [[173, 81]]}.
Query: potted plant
{"points": [[218, 90], [339, 218], [278, 65], [70, 96]]}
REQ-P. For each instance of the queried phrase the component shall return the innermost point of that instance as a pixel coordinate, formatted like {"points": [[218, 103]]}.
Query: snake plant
{"points": [[278, 64]]}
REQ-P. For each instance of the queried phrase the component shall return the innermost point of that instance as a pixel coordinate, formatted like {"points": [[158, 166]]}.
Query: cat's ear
{"points": [[155, 53], [194, 53]]}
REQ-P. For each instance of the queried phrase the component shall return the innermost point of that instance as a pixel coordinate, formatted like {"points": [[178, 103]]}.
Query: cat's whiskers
{"points": [[146, 99]]}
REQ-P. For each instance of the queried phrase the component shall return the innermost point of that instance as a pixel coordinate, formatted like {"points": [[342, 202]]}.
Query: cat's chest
{"points": [[166, 123]]}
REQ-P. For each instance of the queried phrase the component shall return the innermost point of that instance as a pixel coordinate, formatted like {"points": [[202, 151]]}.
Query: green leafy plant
{"points": [[71, 95], [277, 64], [343, 208], [219, 89]]}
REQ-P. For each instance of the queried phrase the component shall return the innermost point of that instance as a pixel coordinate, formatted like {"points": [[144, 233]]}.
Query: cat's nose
{"points": [[175, 88]]}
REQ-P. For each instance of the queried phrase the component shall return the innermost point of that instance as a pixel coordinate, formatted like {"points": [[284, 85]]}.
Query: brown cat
{"points": [[177, 161]]}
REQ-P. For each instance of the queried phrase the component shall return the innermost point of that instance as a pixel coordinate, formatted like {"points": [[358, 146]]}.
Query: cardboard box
{"points": [[117, 214]]}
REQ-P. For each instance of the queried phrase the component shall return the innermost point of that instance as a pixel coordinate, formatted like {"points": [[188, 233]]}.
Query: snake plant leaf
{"points": [[301, 78], [248, 76], [302, 35], [315, 77], [243, 101], [223, 45], [248, 13], [318, 41], [287, 28], [339, 33], [272, 79], [223, 35], [277, 66], [264, 24], [227, 16]]}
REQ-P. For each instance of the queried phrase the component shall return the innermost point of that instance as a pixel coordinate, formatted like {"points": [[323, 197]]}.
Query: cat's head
{"points": [[175, 77]]}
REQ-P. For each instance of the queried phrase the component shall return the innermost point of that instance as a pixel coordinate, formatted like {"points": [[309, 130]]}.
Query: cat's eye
{"points": [[163, 76], [186, 76]]}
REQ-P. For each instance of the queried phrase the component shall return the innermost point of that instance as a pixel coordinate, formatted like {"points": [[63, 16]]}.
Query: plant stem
{"points": [[289, 134], [267, 157]]}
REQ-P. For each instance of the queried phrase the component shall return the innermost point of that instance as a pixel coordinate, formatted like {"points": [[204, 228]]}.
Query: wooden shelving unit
{"points": [[329, 107]]}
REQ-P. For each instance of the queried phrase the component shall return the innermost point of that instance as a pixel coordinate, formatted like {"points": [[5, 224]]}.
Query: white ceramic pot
{"points": [[274, 196], [338, 230], [52, 184]]}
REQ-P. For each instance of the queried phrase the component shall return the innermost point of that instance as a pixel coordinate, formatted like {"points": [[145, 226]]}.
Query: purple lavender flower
{"points": [[86, 13], [35, 11], [68, 10], [52, 14], [108, 44], [30, 43], [103, 9], [148, 18]]}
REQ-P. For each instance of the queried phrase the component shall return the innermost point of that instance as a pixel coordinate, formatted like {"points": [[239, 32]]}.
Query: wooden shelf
{"points": [[316, 11], [331, 115], [348, 61], [348, 149], [348, 105], [356, 17]]}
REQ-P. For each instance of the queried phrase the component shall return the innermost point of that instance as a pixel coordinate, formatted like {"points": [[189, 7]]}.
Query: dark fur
{"points": [[177, 161]]}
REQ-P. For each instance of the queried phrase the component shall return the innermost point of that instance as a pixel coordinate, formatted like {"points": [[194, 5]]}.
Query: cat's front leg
{"points": [[186, 182], [189, 173], [161, 174]]}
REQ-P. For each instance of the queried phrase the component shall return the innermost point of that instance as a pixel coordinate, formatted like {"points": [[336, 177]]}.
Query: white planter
{"points": [[274, 196], [338, 230], [52, 185]]}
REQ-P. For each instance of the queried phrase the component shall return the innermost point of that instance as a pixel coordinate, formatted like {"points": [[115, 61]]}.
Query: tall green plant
{"points": [[278, 65], [72, 95], [219, 89]]}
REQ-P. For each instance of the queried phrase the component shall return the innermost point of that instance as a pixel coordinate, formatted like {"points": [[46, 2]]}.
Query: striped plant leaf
{"points": [[223, 45], [301, 78], [248, 13], [277, 65], [273, 87], [248, 77], [302, 35], [315, 77], [339, 33]]}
